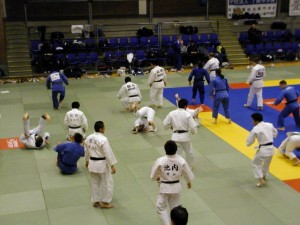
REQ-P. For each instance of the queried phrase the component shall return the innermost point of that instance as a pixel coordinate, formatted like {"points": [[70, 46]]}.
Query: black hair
{"points": [[75, 105], [182, 103], [219, 73], [127, 79], [170, 147], [200, 64], [254, 59], [39, 141], [154, 62], [283, 82], [98, 125], [179, 215], [78, 138], [257, 117]]}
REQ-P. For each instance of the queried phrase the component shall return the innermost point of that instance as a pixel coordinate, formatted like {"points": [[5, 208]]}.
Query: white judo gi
{"points": [[100, 157], [168, 169], [157, 81], [256, 81], [29, 136], [289, 144], [76, 122], [264, 133], [145, 115], [128, 94], [182, 123], [211, 65]]}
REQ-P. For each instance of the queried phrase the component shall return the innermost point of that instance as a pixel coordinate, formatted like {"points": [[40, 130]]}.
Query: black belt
{"points": [[133, 96], [221, 90], [288, 102], [180, 131], [213, 70], [170, 182], [96, 159], [270, 143], [74, 127], [158, 80]]}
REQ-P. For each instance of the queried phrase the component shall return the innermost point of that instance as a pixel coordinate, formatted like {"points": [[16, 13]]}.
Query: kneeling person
{"points": [[69, 153], [145, 121]]}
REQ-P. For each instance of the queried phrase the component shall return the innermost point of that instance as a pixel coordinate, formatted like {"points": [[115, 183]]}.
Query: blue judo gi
{"points": [[57, 80], [218, 89], [292, 106], [67, 156], [199, 74]]}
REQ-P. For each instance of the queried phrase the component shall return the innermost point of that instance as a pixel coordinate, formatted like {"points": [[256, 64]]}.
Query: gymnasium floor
{"points": [[33, 192]]}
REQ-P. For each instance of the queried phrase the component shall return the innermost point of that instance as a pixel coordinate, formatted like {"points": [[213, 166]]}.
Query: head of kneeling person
{"points": [[179, 215]]}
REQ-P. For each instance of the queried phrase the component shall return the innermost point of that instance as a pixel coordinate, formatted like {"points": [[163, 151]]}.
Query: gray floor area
{"points": [[33, 192]]}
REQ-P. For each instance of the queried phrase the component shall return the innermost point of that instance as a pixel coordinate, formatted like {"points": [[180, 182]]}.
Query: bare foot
{"points": [[97, 205], [229, 121], [106, 205], [280, 128], [46, 116], [26, 116]]}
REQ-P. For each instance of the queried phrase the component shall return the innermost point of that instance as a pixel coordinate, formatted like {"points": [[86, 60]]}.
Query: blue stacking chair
{"points": [[165, 41], [93, 58], [269, 49], [204, 39], [82, 58], [195, 38], [134, 42], [210, 49], [153, 41], [243, 38], [34, 46], [144, 42], [269, 36], [259, 48], [119, 56], [72, 59], [185, 38], [297, 34], [113, 42], [214, 40], [124, 42], [250, 49], [90, 44], [287, 47], [295, 47], [278, 35]]}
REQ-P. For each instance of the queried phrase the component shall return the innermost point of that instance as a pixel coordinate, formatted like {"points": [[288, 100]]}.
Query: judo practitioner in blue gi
{"points": [[198, 74], [69, 153], [292, 106], [57, 80], [218, 91]]}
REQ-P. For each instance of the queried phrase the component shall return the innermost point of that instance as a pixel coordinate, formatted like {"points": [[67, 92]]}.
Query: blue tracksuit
{"points": [[199, 74], [218, 89], [68, 155], [177, 55], [292, 106], [57, 80]]}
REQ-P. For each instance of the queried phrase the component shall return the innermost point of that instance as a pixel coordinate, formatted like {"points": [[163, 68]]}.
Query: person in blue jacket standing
{"points": [[291, 106], [218, 91], [69, 153], [56, 80], [199, 74]]}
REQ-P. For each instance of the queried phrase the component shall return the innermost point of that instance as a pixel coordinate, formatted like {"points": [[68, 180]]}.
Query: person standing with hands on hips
{"points": [[100, 161], [56, 81]]}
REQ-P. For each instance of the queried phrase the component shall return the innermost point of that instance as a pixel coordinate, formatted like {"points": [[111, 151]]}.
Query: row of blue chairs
{"points": [[270, 36], [81, 58], [272, 48]]}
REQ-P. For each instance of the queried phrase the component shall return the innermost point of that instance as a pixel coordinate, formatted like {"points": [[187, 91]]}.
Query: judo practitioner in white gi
{"points": [[157, 80], [167, 170], [194, 112], [76, 121], [264, 133], [256, 82], [129, 93], [288, 145], [181, 122], [100, 161], [145, 121], [211, 65], [34, 138]]}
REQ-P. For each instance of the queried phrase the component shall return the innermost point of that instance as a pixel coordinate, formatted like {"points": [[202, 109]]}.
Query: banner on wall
{"points": [[265, 8], [294, 9]]}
